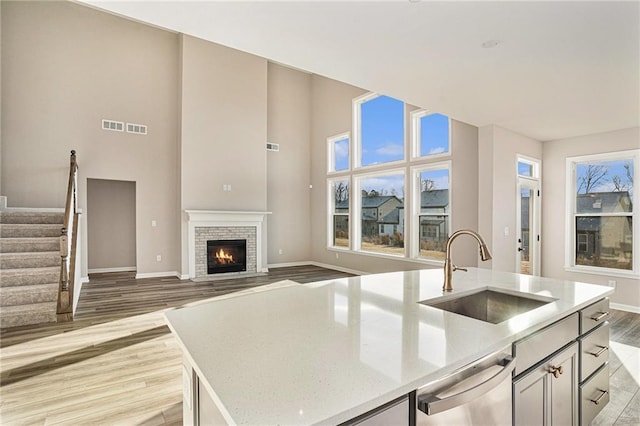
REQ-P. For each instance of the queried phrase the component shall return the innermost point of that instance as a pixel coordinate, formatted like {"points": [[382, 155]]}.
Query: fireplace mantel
{"points": [[224, 219]]}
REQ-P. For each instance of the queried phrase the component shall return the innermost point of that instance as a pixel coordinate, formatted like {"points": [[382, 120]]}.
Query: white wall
{"points": [[497, 189], [553, 214], [66, 67], [288, 170]]}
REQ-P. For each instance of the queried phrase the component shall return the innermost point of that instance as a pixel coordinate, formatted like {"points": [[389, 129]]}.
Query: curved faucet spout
{"points": [[449, 267]]}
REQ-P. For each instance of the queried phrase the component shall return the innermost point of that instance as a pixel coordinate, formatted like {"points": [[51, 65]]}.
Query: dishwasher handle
{"points": [[431, 404]]}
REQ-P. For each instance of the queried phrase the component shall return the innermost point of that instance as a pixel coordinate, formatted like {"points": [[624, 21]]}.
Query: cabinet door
{"points": [[529, 398], [548, 394], [564, 387]]}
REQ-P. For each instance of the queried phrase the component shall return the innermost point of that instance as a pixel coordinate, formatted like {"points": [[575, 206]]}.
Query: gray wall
{"points": [[553, 213], [497, 190], [111, 225], [288, 170], [223, 130], [66, 67]]}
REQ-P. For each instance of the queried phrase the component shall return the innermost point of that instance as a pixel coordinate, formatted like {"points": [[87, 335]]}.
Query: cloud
{"points": [[437, 150], [341, 150], [391, 150]]}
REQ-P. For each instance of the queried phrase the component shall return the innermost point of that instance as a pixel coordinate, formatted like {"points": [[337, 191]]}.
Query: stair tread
{"points": [[30, 271], [28, 287], [31, 254], [40, 306], [30, 239]]}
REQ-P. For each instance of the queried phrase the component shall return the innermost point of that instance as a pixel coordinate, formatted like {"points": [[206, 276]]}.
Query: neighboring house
{"points": [[373, 208], [599, 235], [392, 222], [434, 210]]}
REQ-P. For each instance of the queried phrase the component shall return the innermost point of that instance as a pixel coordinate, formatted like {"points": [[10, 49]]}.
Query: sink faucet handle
{"points": [[459, 268]]}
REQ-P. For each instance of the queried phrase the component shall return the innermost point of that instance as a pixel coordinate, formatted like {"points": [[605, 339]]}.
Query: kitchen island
{"points": [[327, 352]]}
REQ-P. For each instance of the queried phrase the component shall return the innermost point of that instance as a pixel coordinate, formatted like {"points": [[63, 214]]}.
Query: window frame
{"points": [[356, 206], [332, 214], [571, 214], [331, 157], [416, 137], [356, 144], [416, 232]]}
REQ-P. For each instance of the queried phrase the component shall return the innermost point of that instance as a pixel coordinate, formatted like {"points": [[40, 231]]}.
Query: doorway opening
{"points": [[528, 204], [111, 226]]}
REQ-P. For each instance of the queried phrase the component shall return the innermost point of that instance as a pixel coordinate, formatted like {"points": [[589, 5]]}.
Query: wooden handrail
{"points": [[66, 283]]}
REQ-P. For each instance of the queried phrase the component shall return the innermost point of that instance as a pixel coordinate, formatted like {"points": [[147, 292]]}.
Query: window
{"points": [[339, 217], [432, 208], [368, 185], [381, 201], [379, 130], [528, 167], [431, 133], [602, 215], [338, 155]]}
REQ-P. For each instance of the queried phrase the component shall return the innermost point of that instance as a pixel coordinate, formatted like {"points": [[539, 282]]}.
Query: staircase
{"points": [[29, 266]]}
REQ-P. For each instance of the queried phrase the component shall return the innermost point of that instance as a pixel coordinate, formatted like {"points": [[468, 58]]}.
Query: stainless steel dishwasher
{"points": [[479, 394]]}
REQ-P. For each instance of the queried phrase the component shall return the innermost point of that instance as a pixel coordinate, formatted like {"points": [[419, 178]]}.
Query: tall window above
{"points": [[433, 210], [379, 130], [431, 133], [603, 215], [339, 217], [338, 154]]}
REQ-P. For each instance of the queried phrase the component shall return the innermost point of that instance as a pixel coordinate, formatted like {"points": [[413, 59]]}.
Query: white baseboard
{"points": [[84, 280], [118, 269], [182, 276], [158, 274], [320, 265], [626, 308]]}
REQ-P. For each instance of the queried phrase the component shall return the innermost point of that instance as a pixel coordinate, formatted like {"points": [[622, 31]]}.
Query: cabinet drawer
{"points": [[594, 350], [594, 395], [594, 315], [543, 343]]}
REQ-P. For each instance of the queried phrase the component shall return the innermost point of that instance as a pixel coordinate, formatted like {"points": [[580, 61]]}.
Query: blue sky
{"points": [[605, 184], [383, 134]]}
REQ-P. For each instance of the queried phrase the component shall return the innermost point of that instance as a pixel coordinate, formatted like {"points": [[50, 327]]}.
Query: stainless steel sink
{"points": [[489, 305]]}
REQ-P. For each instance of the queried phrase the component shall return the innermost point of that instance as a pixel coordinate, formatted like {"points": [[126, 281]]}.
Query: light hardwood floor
{"points": [[118, 364]]}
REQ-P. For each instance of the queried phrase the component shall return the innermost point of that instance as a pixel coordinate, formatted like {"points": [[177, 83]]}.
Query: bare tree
{"points": [[594, 174], [427, 185], [341, 192], [623, 183]]}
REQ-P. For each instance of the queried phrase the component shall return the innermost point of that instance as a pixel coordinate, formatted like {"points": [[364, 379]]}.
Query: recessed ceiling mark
{"points": [[490, 43]]}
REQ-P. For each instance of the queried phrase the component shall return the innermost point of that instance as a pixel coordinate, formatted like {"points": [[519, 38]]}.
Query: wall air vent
{"points": [[273, 146], [116, 126], [139, 129]]}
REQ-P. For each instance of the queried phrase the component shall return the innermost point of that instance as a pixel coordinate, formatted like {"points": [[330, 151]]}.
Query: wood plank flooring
{"points": [[118, 364]]}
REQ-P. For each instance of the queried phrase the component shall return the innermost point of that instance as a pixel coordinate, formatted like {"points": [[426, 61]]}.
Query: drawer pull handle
{"points": [[601, 316], [602, 394], [597, 354], [556, 371]]}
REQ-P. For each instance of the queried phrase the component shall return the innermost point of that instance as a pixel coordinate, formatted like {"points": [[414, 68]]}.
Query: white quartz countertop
{"points": [[326, 352]]}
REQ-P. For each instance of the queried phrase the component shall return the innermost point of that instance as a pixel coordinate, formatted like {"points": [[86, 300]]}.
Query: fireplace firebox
{"points": [[226, 256]]}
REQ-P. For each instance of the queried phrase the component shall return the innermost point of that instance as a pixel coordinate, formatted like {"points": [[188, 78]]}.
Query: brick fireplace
{"points": [[237, 228]]}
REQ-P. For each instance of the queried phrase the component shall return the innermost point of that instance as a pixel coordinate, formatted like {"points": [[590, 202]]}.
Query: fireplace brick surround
{"points": [[203, 234], [204, 225]]}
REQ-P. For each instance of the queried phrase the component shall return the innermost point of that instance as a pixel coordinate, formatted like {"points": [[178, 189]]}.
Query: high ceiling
{"points": [[559, 69]]}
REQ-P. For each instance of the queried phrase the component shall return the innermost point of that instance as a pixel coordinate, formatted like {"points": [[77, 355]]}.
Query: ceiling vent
{"points": [[139, 129], [273, 146], [115, 126]]}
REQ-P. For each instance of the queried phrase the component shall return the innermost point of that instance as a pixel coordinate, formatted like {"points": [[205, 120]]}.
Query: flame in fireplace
{"points": [[224, 257]]}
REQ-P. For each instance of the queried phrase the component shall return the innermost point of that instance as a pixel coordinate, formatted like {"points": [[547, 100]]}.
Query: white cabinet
{"points": [[548, 394]]}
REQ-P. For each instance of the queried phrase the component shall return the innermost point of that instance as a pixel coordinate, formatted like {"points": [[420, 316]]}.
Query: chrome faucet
{"points": [[449, 267]]}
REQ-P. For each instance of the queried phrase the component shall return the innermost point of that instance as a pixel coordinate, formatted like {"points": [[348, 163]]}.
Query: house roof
{"points": [[434, 198], [604, 202], [369, 202], [393, 217]]}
